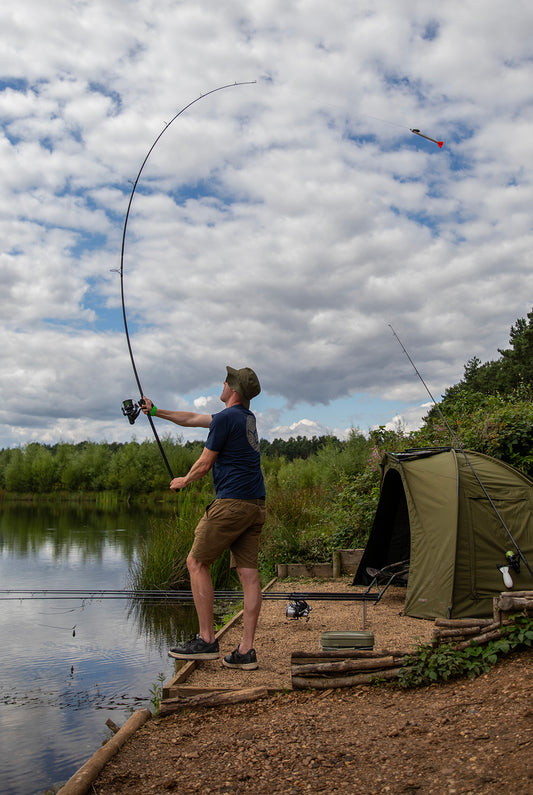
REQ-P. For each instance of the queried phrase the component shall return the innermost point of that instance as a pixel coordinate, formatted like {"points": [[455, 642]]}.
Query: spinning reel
{"points": [[131, 409], [298, 609]]}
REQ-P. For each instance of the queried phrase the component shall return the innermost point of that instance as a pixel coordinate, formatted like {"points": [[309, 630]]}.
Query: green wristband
{"points": [[153, 411]]}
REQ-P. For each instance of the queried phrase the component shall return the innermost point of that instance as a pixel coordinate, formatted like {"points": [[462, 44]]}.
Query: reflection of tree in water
{"points": [[84, 529], [166, 623]]}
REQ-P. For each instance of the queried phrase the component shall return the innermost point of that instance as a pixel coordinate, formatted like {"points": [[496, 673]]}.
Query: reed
{"points": [[161, 562]]}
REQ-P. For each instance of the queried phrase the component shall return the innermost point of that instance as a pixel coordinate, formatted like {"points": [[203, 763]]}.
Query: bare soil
{"points": [[467, 736]]}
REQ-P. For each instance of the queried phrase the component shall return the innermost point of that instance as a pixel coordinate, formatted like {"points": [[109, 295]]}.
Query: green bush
{"points": [[353, 508], [441, 663]]}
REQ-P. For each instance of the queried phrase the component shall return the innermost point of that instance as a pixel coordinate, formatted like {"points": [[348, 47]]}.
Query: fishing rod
{"points": [[11, 594], [467, 459], [130, 408]]}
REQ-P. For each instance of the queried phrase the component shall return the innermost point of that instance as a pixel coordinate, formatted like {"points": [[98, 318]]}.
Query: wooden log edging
{"points": [[214, 699], [318, 683], [344, 668], [517, 602], [462, 635], [323, 670], [462, 632], [80, 782]]}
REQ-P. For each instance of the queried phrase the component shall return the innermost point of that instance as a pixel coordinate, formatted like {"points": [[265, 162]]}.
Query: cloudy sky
{"points": [[285, 224]]}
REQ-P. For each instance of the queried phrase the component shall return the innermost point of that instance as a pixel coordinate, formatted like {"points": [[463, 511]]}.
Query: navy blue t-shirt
{"points": [[237, 468]]}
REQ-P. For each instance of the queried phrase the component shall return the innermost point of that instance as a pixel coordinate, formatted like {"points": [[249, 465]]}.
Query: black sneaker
{"points": [[246, 661], [196, 649]]}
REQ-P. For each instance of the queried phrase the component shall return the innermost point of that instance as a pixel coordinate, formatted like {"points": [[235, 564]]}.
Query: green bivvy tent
{"points": [[434, 513]]}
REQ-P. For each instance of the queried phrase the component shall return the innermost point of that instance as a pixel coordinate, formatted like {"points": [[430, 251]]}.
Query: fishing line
{"points": [[462, 450], [386, 121], [121, 271], [69, 629], [414, 130]]}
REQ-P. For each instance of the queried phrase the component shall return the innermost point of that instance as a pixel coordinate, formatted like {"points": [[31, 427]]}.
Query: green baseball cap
{"points": [[244, 382]]}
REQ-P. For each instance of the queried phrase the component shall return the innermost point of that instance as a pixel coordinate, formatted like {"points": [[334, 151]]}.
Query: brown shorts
{"points": [[230, 524]]}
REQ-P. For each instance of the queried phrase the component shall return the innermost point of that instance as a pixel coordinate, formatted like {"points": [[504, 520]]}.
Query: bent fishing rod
{"points": [[130, 408], [467, 459]]}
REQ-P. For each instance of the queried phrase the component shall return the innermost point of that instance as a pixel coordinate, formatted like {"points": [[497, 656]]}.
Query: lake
{"points": [[70, 664]]}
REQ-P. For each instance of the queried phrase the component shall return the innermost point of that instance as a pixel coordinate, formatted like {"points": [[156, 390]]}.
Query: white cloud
{"points": [[281, 225], [303, 427]]}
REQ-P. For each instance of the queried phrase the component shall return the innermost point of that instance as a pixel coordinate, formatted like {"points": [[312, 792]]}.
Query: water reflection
{"points": [[24, 529], [68, 665]]}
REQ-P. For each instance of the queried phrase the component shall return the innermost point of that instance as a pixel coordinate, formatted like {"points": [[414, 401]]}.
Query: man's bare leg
{"points": [[253, 600], [202, 592]]}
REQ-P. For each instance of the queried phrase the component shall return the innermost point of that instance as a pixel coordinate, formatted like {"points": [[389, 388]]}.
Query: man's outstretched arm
{"points": [[187, 419]]}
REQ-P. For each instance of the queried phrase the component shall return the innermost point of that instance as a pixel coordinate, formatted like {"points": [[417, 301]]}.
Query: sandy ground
{"points": [[277, 636], [470, 737]]}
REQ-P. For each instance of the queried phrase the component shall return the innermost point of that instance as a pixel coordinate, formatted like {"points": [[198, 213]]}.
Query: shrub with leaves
{"points": [[441, 663], [354, 507]]}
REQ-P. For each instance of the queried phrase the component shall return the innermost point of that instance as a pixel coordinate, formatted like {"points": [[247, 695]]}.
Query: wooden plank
{"points": [[456, 623], [212, 700], [305, 657], [343, 666], [184, 691], [181, 675], [324, 683]]}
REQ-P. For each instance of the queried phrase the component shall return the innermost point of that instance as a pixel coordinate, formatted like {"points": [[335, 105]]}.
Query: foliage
{"points": [[519, 632], [161, 563], [161, 560], [441, 663], [133, 467], [294, 523], [353, 508], [490, 410], [511, 371], [156, 692], [299, 447], [497, 425]]}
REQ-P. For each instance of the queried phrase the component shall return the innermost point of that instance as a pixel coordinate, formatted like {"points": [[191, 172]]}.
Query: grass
{"points": [[161, 561]]}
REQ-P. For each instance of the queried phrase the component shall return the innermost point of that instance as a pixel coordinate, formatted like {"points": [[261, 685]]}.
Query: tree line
{"points": [[490, 410], [129, 467]]}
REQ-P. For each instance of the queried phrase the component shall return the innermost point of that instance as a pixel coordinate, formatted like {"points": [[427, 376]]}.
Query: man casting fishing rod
{"points": [[233, 521]]}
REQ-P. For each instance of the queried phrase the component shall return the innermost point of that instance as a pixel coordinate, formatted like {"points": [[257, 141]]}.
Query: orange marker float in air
{"points": [[417, 132]]}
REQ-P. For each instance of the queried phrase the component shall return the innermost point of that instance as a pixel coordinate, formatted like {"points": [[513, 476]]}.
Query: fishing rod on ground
{"points": [[297, 606], [131, 408], [176, 595], [512, 560]]}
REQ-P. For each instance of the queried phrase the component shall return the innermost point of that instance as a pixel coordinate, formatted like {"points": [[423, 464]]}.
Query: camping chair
{"points": [[393, 573]]}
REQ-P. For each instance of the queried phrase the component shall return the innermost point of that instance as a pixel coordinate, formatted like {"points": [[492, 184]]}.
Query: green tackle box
{"points": [[340, 640]]}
